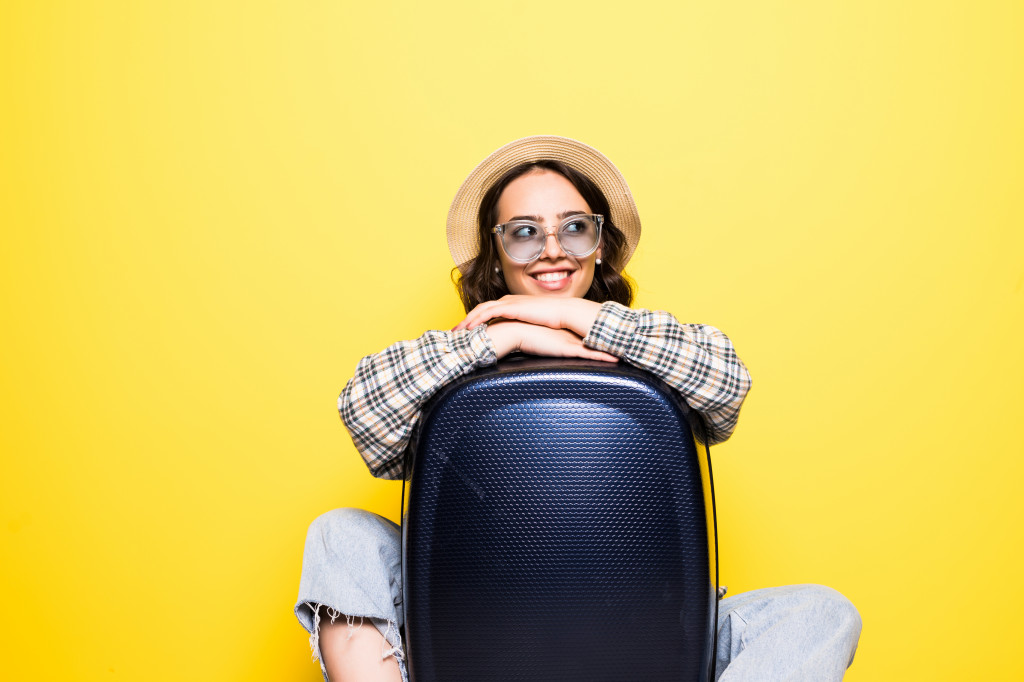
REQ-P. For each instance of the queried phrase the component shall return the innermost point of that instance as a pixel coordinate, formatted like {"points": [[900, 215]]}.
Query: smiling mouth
{"points": [[552, 276]]}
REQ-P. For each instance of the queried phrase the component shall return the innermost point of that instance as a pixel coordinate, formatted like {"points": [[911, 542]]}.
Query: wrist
{"points": [[503, 337], [584, 316]]}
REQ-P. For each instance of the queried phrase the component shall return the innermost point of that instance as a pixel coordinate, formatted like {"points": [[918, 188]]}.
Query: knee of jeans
{"points": [[344, 517], [350, 527], [835, 609]]}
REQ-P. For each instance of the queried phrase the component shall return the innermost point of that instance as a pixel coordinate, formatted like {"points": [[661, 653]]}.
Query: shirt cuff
{"points": [[614, 329], [473, 348]]}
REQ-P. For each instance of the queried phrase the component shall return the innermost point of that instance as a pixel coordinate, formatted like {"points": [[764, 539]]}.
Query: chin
{"points": [[556, 294]]}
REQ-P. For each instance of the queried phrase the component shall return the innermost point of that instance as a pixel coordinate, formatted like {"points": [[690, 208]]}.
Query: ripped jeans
{"points": [[352, 569]]}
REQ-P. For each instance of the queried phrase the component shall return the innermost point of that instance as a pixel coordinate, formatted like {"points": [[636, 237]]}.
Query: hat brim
{"points": [[463, 231]]}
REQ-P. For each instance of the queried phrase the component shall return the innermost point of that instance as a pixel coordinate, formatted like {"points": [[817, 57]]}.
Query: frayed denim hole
{"points": [[354, 622], [332, 613], [350, 621], [314, 635], [397, 651]]}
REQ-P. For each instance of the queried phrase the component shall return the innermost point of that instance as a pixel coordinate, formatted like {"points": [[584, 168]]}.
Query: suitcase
{"points": [[559, 525]]}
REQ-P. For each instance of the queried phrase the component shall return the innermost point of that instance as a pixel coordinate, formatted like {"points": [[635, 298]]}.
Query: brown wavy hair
{"points": [[481, 283]]}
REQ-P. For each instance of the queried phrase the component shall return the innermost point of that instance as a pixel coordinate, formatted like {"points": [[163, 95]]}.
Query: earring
{"points": [[497, 268], [597, 262]]}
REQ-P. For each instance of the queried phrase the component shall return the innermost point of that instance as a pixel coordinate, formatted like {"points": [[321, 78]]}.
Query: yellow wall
{"points": [[211, 210]]}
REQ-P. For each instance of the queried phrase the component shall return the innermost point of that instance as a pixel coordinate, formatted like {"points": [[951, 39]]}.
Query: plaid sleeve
{"points": [[695, 359], [381, 404]]}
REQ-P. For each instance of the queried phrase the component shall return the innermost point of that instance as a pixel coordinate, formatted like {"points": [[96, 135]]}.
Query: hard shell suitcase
{"points": [[559, 526]]}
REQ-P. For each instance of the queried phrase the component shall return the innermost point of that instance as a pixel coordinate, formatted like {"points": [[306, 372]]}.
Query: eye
{"points": [[578, 227], [523, 231]]}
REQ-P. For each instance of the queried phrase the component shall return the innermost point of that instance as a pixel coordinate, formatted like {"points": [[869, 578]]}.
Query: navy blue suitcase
{"points": [[559, 525]]}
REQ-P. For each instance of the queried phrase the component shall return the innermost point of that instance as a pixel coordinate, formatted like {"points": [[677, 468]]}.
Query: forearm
{"points": [[698, 361], [382, 403]]}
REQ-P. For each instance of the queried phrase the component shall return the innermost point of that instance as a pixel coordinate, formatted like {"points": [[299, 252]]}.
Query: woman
{"points": [[541, 231]]}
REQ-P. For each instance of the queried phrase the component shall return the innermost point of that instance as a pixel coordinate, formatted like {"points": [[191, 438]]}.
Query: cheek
{"points": [[587, 278], [517, 283], [584, 286], [515, 277]]}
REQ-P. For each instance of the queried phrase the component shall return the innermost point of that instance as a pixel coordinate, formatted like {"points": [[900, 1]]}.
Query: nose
{"points": [[552, 249]]}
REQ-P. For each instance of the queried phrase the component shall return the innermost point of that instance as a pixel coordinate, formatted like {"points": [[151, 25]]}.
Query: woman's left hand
{"points": [[576, 314]]}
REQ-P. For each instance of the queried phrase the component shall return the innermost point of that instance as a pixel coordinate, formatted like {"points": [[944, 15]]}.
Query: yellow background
{"points": [[212, 210]]}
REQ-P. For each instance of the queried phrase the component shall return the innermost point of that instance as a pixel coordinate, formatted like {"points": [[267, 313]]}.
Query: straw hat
{"points": [[463, 232]]}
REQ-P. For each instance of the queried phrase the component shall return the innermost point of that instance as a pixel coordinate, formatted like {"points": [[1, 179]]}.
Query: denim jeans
{"points": [[352, 569]]}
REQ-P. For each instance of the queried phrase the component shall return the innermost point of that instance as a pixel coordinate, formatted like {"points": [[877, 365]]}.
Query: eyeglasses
{"points": [[524, 240]]}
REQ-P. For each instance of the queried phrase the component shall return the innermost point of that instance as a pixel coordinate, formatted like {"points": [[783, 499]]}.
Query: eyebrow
{"points": [[538, 219]]}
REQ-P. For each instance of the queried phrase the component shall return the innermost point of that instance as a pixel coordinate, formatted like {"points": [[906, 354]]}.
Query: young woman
{"points": [[541, 231]]}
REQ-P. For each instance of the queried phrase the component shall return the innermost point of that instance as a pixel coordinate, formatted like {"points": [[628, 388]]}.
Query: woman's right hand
{"points": [[509, 335]]}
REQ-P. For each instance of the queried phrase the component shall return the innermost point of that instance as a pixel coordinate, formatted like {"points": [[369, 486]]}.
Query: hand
{"points": [[576, 314], [540, 340]]}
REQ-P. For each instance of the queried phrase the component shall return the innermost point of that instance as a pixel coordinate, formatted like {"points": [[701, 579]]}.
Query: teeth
{"points": [[552, 276]]}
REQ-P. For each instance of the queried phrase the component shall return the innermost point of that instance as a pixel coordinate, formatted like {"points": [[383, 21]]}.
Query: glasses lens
{"points": [[523, 241], [578, 236]]}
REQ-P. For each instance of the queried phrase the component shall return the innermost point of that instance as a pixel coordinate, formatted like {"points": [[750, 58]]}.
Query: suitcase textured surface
{"points": [[557, 529]]}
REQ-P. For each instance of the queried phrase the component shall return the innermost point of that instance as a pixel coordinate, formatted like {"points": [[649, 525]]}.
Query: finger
{"points": [[479, 315], [482, 315], [572, 346], [524, 309], [464, 324], [589, 353], [598, 355]]}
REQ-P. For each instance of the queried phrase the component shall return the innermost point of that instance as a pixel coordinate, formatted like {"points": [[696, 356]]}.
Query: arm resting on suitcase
{"points": [[697, 360], [382, 403]]}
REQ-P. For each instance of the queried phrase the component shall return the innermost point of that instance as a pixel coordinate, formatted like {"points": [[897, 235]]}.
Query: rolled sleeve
{"points": [[697, 360], [614, 330], [383, 402]]}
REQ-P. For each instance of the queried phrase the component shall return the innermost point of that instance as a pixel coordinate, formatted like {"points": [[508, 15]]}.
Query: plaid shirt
{"points": [[381, 404]]}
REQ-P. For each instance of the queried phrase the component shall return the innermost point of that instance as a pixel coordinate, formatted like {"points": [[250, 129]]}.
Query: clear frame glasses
{"points": [[524, 240]]}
